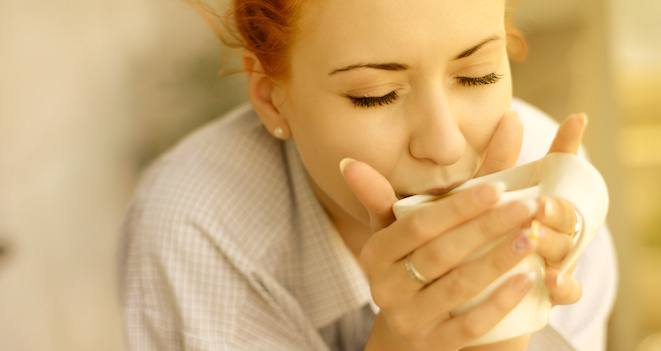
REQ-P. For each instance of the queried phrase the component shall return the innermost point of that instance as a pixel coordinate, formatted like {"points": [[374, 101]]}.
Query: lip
{"points": [[434, 191], [441, 191]]}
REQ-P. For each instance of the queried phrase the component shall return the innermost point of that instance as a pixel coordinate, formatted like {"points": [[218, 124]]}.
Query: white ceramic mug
{"points": [[558, 175]]}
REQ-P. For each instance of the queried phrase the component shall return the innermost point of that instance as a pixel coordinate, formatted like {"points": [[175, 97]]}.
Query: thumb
{"points": [[372, 189], [504, 147], [569, 135]]}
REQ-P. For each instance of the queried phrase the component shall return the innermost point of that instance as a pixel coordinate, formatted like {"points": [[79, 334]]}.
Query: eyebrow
{"points": [[477, 47], [381, 66], [403, 67]]}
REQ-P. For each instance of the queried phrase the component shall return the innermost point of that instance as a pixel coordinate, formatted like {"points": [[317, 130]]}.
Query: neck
{"points": [[354, 234], [353, 231]]}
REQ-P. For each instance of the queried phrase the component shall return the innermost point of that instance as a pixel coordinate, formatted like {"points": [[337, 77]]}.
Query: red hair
{"points": [[517, 49], [264, 27], [268, 27]]}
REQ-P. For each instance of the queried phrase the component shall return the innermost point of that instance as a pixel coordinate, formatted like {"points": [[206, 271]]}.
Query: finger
{"points": [[372, 189], [569, 135], [469, 279], [563, 289], [445, 252], [557, 214], [553, 246], [505, 145], [420, 226], [476, 322]]}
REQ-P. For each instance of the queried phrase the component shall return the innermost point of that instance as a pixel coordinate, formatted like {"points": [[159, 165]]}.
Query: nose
{"points": [[435, 134]]}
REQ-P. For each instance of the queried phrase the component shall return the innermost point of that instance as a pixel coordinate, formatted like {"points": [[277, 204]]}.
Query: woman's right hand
{"points": [[438, 239]]}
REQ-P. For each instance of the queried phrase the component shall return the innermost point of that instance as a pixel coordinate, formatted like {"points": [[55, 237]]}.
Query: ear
{"points": [[266, 97]]}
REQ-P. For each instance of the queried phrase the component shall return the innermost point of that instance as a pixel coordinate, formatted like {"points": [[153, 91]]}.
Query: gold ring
{"points": [[413, 273]]}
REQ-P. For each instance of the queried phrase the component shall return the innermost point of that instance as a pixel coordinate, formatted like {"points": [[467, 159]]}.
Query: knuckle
{"points": [[556, 249], [458, 208], [442, 256], [511, 215], [416, 226], [560, 214], [565, 214], [383, 297], [473, 327], [486, 227], [457, 284], [502, 262], [504, 301]]}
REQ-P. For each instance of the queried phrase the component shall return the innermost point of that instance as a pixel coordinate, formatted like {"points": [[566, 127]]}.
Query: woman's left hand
{"points": [[558, 220]]}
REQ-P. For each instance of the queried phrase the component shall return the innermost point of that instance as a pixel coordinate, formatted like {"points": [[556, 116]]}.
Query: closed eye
{"points": [[369, 101], [490, 78]]}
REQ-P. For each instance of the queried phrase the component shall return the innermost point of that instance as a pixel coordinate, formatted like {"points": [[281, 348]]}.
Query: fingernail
{"points": [[500, 186], [548, 208], [528, 238], [513, 114], [523, 243], [344, 163], [584, 118]]}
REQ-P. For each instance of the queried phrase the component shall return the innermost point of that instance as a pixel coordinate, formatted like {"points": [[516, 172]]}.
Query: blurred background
{"points": [[91, 91]]}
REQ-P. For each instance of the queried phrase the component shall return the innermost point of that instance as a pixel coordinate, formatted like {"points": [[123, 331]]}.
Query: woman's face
{"points": [[413, 88]]}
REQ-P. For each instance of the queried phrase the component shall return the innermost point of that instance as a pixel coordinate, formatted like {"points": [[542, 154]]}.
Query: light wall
{"points": [[604, 58], [90, 91]]}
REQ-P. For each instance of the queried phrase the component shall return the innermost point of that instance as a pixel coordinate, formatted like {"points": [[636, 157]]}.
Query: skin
{"points": [[419, 93]]}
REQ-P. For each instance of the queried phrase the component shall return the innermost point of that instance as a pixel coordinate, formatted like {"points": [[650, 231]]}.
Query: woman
{"points": [[238, 239]]}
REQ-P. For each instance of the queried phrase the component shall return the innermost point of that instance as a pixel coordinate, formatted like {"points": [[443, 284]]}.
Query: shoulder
{"points": [[215, 165], [207, 185]]}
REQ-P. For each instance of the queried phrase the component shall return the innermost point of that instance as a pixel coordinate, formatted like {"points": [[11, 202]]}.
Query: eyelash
{"points": [[374, 101], [475, 81], [389, 98]]}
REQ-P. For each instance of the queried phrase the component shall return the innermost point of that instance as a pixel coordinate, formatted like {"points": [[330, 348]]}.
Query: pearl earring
{"points": [[278, 132]]}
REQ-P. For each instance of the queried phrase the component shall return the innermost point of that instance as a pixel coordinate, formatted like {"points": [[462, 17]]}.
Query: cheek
{"points": [[322, 145], [326, 131], [482, 115]]}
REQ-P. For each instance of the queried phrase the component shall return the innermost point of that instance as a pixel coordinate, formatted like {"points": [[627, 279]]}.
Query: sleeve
{"points": [[182, 291]]}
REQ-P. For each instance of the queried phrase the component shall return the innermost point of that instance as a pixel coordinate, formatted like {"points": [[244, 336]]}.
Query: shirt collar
{"points": [[332, 282]]}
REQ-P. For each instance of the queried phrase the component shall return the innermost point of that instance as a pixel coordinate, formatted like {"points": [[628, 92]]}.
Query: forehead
{"points": [[346, 31]]}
